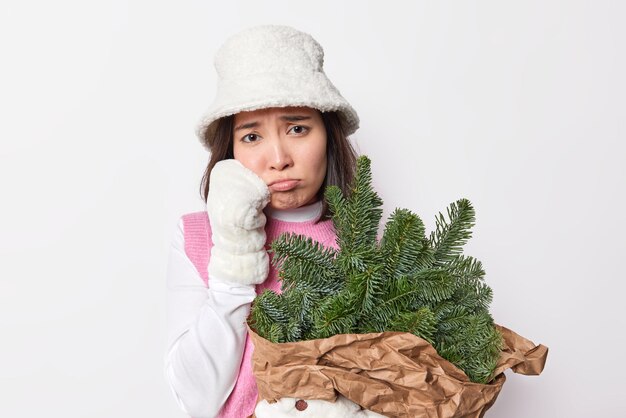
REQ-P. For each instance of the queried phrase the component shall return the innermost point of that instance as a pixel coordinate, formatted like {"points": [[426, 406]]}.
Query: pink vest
{"points": [[198, 243]]}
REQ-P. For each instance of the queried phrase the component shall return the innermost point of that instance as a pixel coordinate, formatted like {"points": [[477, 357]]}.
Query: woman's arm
{"points": [[205, 334]]}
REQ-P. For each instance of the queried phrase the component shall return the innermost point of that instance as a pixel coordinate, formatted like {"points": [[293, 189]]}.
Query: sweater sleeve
{"points": [[206, 334]]}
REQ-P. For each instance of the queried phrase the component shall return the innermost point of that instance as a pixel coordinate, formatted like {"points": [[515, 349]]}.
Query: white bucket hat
{"points": [[272, 66]]}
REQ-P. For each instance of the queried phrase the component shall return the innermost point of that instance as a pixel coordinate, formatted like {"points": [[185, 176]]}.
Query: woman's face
{"points": [[286, 147]]}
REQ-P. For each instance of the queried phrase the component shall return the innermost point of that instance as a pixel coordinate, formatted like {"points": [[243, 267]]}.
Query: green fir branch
{"points": [[303, 262], [406, 282], [402, 242], [450, 235]]}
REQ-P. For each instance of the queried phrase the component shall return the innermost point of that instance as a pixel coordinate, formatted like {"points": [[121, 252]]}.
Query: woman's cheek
{"points": [[251, 163]]}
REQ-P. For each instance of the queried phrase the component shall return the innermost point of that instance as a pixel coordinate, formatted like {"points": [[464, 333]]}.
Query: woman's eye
{"points": [[298, 129], [249, 138]]}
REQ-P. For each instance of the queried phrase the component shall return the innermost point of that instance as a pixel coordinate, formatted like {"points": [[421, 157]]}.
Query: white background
{"points": [[517, 106]]}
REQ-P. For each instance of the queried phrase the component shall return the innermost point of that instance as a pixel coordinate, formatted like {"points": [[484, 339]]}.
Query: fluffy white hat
{"points": [[272, 66]]}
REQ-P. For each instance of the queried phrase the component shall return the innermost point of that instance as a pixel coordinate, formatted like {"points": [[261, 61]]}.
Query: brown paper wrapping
{"points": [[395, 374]]}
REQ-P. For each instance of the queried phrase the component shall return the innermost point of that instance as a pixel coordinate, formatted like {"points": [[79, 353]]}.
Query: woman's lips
{"points": [[283, 186]]}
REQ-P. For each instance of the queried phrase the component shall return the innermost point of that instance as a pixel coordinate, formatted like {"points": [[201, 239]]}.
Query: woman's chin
{"points": [[280, 203]]}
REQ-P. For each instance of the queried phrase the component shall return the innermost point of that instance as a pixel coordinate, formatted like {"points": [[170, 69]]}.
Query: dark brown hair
{"points": [[341, 156]]}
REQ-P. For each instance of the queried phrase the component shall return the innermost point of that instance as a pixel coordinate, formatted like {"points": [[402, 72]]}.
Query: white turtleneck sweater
{"points": [[200, 326]]}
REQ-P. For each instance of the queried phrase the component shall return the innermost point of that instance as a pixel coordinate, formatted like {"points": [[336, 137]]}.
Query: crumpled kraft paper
{"points": [[395, 374]]}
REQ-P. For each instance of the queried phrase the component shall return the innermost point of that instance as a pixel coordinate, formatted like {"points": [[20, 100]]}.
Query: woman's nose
{"points": [[281, 157]]}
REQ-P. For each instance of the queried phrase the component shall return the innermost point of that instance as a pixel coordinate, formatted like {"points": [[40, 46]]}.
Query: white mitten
{"points": [[291, 407], [235, 205]]}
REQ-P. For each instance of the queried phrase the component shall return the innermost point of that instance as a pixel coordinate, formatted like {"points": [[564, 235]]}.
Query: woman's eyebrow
{"points": [[247, 125], [294, 118], [288, 118]]}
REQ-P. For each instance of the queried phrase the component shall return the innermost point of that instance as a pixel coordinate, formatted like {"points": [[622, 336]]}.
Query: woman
{"points": [[277, 132]]}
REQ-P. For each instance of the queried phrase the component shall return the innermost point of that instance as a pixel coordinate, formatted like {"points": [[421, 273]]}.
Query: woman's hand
{"points": [[300, 408], [235, 205]]}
